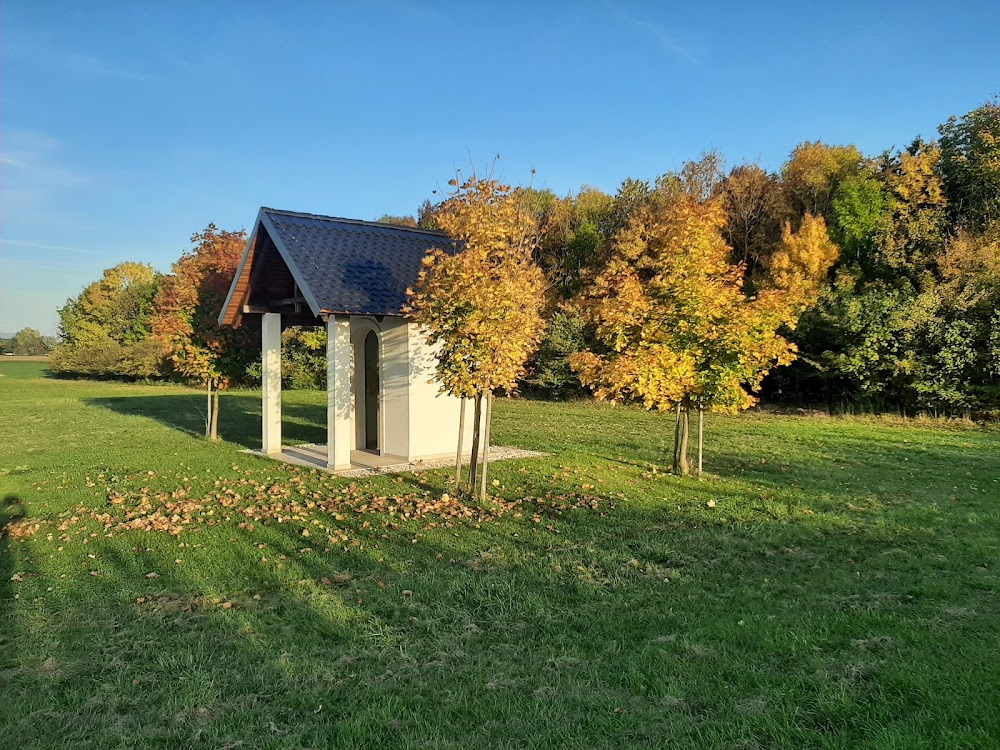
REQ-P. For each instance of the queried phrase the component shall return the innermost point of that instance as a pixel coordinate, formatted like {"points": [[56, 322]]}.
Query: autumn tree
{"points": [[105, 329], [402, 221], [754, 208], [570, 242], [813, 173], [631, 196], [701, 180], [185, 319], [671, 311], [799, 264], [916, 229], [958, 360], [874, 334], [481, 304]]}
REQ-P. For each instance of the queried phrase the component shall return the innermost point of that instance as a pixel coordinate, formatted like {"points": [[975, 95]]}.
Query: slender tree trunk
{"points": [[208, 411], [701, 436], [685, 469], [677, 439], [461, 439], [486, 446], [477, 424], [215, 414]]}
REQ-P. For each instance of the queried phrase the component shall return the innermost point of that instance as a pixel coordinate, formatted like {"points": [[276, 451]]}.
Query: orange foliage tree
{"points": [[671, 311], [185, 317], [481, 305]]}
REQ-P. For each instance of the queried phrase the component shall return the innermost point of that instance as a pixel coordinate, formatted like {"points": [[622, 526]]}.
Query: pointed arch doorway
{"points": [[369, 375]]}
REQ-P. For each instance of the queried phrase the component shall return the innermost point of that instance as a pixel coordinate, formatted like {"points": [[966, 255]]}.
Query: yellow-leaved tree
{"points": [[677, 327], [481, 304], [798, 265]]}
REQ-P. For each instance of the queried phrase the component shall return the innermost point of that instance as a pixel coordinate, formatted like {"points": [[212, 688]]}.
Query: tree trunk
{"points": [[476, 424], [461, 438], [701, 435], [677, 439], [208, 411], [486, 446], [214, 433], [683, 466]]}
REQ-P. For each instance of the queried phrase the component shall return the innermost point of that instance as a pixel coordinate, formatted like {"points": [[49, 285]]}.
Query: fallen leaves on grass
{"points": [[168, 604], [21, 528]]}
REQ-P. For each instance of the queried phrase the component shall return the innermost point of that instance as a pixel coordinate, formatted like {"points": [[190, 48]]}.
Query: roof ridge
{"points": [[359, 222]]}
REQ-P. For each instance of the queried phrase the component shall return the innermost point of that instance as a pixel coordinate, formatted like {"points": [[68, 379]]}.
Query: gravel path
{"points": [[497, 453]]}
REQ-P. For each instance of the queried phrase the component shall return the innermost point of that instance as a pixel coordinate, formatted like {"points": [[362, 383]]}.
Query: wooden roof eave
{"points": [[239, 291]]}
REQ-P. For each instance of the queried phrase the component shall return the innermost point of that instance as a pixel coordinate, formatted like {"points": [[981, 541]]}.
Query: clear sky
{"points": [[127, 126]]}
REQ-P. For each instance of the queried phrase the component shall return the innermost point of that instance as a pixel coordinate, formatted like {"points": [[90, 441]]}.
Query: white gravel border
{"points": [[497, 453]]}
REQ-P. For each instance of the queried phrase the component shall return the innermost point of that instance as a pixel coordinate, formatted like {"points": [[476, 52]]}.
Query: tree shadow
{"points": [[227, 650], [11, 510], [240, 416]]}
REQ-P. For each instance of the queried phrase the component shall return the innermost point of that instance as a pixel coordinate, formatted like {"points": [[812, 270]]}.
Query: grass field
{"points": [[831, 583]]}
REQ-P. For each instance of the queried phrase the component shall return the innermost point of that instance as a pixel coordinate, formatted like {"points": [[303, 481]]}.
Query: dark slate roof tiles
{"points": [[352, 267]]}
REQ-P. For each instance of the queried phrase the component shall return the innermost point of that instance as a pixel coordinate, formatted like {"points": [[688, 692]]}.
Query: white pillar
{"points": [[270, 384], [339, 403]]}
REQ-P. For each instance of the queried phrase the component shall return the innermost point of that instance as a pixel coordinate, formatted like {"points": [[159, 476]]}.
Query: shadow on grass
{"points": [[239, 416], [11, 510], [264, 637]]}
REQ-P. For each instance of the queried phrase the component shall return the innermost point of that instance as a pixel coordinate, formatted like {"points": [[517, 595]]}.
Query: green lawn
{"points": [[832, 583]]}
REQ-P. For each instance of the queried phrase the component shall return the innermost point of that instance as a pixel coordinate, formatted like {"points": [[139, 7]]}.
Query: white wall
{"points": [[415, 421], [433, 418], [394, 378], [396, 439]]}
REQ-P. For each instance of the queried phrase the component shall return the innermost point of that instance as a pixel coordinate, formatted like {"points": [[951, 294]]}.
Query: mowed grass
{"points": [[830, 584]]}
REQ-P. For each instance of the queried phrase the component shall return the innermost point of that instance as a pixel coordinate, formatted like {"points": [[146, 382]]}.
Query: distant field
{"points": [[831, 584], [23, 358]]}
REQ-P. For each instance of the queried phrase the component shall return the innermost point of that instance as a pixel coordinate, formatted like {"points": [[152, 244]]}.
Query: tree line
{"points": [[28, 342], [872, 278], [673, 321], [906, 317]]}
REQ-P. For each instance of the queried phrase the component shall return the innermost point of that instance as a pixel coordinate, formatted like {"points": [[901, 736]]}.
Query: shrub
{"points": [[567, 333], [108, 358]]}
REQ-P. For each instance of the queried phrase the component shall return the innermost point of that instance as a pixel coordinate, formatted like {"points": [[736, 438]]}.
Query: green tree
{"points": [[566, 334], [115, 307], [570, 242], [29, 342], [917, 343], [105, 328], [303, 358], [860, 217], [970, 162], [966, 358], [106, 357]]}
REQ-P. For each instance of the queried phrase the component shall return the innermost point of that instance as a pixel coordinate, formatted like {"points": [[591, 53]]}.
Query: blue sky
{"points": [[127, 126]]}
